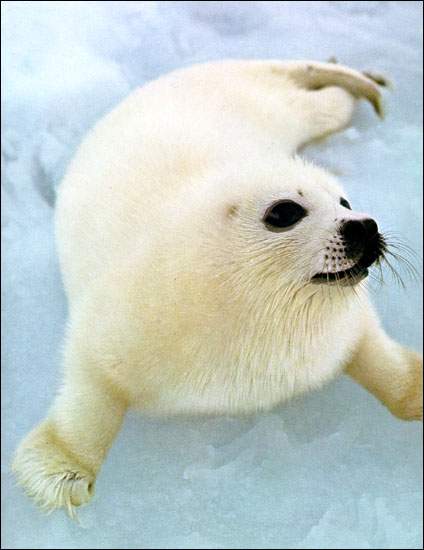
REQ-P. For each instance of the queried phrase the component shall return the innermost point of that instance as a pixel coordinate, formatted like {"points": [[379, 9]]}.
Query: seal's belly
{"points": [[251, 373], [238, 391]]}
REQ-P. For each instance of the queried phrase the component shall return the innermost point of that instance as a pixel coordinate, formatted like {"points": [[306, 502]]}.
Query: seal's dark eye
{"points": [[283, 214], [345, 203]]}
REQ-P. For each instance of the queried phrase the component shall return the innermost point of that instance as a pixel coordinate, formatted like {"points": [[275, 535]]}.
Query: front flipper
{"points": [[389, 371]]}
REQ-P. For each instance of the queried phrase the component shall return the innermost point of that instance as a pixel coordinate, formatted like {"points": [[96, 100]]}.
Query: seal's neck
{"points": [[295, 319]]}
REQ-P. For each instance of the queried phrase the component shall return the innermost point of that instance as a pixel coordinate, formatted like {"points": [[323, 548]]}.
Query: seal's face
{"points": [[352, 247], [310, 234]]}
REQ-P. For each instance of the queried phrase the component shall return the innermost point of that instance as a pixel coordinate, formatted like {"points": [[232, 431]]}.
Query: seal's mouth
{"points": [[352, 276], [359, 271]]}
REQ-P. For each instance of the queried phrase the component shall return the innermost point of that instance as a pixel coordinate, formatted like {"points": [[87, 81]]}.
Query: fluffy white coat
{"points": [[180, 298]]}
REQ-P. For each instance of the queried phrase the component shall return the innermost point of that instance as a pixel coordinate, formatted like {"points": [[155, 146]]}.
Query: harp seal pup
{"points": [[208, 268]]}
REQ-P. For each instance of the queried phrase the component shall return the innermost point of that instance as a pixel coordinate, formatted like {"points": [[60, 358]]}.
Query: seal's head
{"points": [[298, 226]]}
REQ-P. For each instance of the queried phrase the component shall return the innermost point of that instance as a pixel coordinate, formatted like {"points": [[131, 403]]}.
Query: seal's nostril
{"points": [[353, 231], [370, 227], [359, 231], [361, 240]]}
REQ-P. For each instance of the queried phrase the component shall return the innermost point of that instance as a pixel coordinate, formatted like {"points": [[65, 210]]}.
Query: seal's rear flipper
{"points": [[314, 75]]}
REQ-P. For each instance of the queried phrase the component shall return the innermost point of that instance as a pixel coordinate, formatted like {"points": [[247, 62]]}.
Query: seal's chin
{"points": [[347, 277]]}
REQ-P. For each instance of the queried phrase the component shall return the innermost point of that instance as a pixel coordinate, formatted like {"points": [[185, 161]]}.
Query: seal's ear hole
{"points": [[232, 211]]}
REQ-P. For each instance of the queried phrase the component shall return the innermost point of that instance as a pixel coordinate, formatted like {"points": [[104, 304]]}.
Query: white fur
{"points": [[181, 300]]}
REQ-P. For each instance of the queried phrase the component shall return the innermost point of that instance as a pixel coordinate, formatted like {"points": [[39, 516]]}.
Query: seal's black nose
{"points": [[358, 232], [362, 240]]}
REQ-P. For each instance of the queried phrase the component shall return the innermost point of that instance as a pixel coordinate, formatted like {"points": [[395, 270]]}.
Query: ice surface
{"points": [[331, 470]]}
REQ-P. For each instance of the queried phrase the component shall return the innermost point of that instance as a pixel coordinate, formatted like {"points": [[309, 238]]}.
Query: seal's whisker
{"points": [[394, 240], [339, 286], [394, 272], [380, 271], [409, 266], [404, 248]]}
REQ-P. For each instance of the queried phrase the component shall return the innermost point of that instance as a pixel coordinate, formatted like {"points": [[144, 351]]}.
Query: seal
{"points": [[209, 269]]}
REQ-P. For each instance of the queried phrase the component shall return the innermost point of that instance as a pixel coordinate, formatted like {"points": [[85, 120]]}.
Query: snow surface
{"points": [[331, 470]]}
